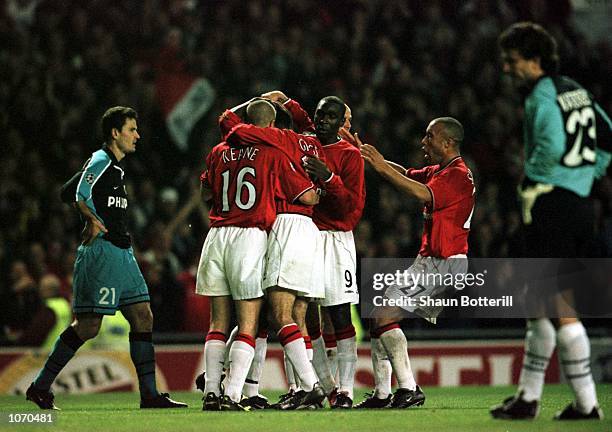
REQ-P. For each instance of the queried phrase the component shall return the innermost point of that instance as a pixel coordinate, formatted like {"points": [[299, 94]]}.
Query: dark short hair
{"points": [[531, 40], [114, 118], [335, 100], [283, 120], [452, 127]]}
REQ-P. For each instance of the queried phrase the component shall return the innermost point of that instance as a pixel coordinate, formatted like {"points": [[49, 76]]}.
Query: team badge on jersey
{"points": [[89, 178]]}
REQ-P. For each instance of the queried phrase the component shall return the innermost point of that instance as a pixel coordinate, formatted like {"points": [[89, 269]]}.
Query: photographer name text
{"points": [[463, 301]]}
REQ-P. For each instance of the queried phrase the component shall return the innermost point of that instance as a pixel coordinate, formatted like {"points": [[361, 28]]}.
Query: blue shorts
{"points": [[106, 278]]}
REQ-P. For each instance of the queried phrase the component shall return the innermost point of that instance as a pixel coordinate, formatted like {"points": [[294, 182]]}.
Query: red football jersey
{"points": [[448, 217], [294, 145], [247, 181], [341, 207]]}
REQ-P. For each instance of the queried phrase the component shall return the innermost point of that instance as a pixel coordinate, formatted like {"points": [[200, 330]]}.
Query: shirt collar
{"points": [[442, 168], [110, 154]]}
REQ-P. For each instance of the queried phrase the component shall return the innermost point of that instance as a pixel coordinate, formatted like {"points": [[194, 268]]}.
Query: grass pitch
{"points": [[446, 409]]}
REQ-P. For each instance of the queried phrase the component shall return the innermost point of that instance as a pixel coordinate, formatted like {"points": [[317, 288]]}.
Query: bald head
{"points": [[452, 129], [261, 113], [348, 117]]}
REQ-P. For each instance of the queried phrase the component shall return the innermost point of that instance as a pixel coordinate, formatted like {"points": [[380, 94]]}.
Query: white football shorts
{"points": [[295, 257], [428, 280], [339, 268], [232, 263]]}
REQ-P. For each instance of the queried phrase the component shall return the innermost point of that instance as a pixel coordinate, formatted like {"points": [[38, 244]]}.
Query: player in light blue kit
{"points": [[106, 275], [567, 146]]}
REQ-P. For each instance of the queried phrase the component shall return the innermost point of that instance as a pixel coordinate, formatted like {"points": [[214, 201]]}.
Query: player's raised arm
{"points": [[346, 135], [234, 116], [275, 96], [354, 139], [397, 179], [245, 135], [301, 119]]}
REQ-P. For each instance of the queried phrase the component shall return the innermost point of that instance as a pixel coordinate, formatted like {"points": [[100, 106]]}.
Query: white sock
{"points": [[214, 354], [321, 365], [294, 347], [309, 354], [396, 346], [241, 356], [251, 385], [291, 377], [347, 363], [539, 346], [229, 342], [308, 345], [332, 357], [575, 356], [331, 349], [382, 369]]}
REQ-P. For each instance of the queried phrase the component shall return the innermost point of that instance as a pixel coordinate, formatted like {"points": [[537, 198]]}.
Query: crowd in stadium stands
{"points": [[397, 63]]}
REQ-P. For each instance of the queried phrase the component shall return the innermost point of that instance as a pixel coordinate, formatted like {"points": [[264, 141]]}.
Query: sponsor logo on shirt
{"points": [[306, 147], [118, 202]]}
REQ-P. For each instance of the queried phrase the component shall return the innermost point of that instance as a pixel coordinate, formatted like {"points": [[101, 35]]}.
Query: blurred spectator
{"points": [[161, 268], [49, 290], [37, 314], [113, 334]]}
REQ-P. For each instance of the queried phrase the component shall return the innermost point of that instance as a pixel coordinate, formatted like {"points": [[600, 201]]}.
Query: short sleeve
{"points": [[420, 175], [92, 172], [293, 183]]}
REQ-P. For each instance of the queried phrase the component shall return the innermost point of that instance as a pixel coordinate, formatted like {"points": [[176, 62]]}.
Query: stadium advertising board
{"points": [[434, 364]]}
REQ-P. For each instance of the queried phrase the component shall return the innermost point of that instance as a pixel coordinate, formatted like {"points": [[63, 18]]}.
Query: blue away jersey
{"points": [[101, 186]]}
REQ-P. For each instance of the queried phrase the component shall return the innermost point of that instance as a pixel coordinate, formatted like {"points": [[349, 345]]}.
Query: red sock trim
{"points": [[330, 340], [308, 342], [380, 330], [216, 335], [345, 333], [248, 339], [289, 333]]}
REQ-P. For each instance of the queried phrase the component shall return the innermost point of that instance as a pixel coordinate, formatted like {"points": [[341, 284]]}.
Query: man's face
{"points": [[522, 70], [434, 143], [348, 118], [127, 136], [328, 118]]}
